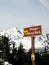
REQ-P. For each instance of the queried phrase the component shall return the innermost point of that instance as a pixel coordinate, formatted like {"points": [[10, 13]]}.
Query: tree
{"points": [[13, 57], [21, 55], [28, 57], [38, 59], [4, 46]]}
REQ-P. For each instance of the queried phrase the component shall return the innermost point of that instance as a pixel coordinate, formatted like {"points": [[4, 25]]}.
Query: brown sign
{"points": [[32, 31]]}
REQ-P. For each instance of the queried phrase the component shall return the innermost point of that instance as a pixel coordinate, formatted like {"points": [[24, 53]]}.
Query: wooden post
{"points": [[33, 51]]}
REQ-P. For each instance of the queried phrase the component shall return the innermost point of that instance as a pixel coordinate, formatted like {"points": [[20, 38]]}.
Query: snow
{"points": [[16, 36]]}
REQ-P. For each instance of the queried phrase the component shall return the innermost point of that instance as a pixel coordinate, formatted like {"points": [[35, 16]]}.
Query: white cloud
{"points": [[45, 3]]}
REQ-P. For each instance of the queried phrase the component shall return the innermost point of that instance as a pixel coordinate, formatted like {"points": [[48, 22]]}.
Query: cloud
{"points": [[45, 3]]}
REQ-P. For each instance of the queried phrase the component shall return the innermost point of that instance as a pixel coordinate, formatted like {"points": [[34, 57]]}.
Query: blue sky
{"points": [[24, 13]]}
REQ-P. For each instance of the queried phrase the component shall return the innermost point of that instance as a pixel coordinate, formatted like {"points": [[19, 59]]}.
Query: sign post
{"points": [[32, 32], [33, 51]]}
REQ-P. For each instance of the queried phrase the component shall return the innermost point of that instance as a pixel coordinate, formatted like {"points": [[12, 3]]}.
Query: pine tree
{"points": [[21, 55], [4, 46]]}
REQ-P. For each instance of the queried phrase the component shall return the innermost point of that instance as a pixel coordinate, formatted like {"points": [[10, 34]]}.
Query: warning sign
{"points": [[32, 57]]}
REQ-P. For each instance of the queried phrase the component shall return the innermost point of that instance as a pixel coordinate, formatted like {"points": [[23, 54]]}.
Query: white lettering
{"points": [[33, 33], [34, 28]]}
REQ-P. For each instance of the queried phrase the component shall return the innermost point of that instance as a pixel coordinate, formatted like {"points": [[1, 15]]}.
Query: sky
{"points": [[24, 13]]}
